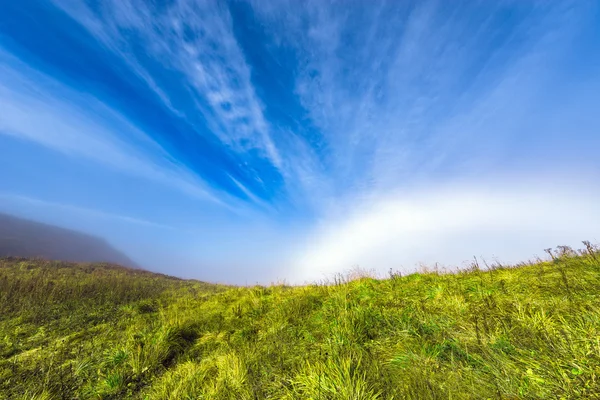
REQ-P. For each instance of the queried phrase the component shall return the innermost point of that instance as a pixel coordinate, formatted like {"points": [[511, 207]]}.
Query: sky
{"points": [[265, 141]]}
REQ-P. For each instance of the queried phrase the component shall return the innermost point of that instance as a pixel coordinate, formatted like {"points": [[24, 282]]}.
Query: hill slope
{"points": [[94, 331], [24, 238]]}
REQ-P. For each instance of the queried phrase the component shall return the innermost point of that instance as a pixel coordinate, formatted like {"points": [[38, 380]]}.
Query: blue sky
{"points": [[259, 141]]}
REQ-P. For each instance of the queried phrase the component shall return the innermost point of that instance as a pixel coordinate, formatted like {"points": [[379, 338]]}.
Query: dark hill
{"points": [[24, 238]]}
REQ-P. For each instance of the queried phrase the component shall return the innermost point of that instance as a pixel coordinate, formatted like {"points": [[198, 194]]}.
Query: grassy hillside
{"points": [[103, 332]]}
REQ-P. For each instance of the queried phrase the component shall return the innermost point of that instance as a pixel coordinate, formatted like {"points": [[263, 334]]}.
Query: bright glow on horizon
{"points": [[508, 223]]}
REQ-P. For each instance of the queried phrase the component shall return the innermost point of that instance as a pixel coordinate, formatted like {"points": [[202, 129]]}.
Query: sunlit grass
{"points": [[103, 332]]}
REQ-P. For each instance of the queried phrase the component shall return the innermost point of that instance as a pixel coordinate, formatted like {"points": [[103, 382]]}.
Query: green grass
{"points": [[102, 332]]}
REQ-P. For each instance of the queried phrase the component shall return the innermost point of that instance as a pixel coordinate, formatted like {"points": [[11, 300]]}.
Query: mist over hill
{"points": [[25, 238]]}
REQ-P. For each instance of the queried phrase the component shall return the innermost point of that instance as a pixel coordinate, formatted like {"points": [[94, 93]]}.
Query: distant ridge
{"points": [[25, 238]]}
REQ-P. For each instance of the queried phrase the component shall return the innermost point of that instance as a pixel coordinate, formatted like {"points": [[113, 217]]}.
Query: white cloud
{"points": [[512, 220], [196, 39], [39, 109], [79, 211], [390, 107], [401, 93]]}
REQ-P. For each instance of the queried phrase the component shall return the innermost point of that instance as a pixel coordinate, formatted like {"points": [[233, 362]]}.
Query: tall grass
{"points": [[103, 332]]}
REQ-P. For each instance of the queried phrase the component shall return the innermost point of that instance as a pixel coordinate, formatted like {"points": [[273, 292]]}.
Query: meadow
{"points": [[97, 331]]}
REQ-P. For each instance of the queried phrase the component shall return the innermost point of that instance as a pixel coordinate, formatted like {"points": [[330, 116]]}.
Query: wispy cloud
{"points": [[38, 108], [399, 91], [195, 44], [81, 211], [195, 39], [394, 91]]}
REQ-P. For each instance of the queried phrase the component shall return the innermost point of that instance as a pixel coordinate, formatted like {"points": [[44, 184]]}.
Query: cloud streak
{"points": [[196, 40], [81, 211], [40, 109]]}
